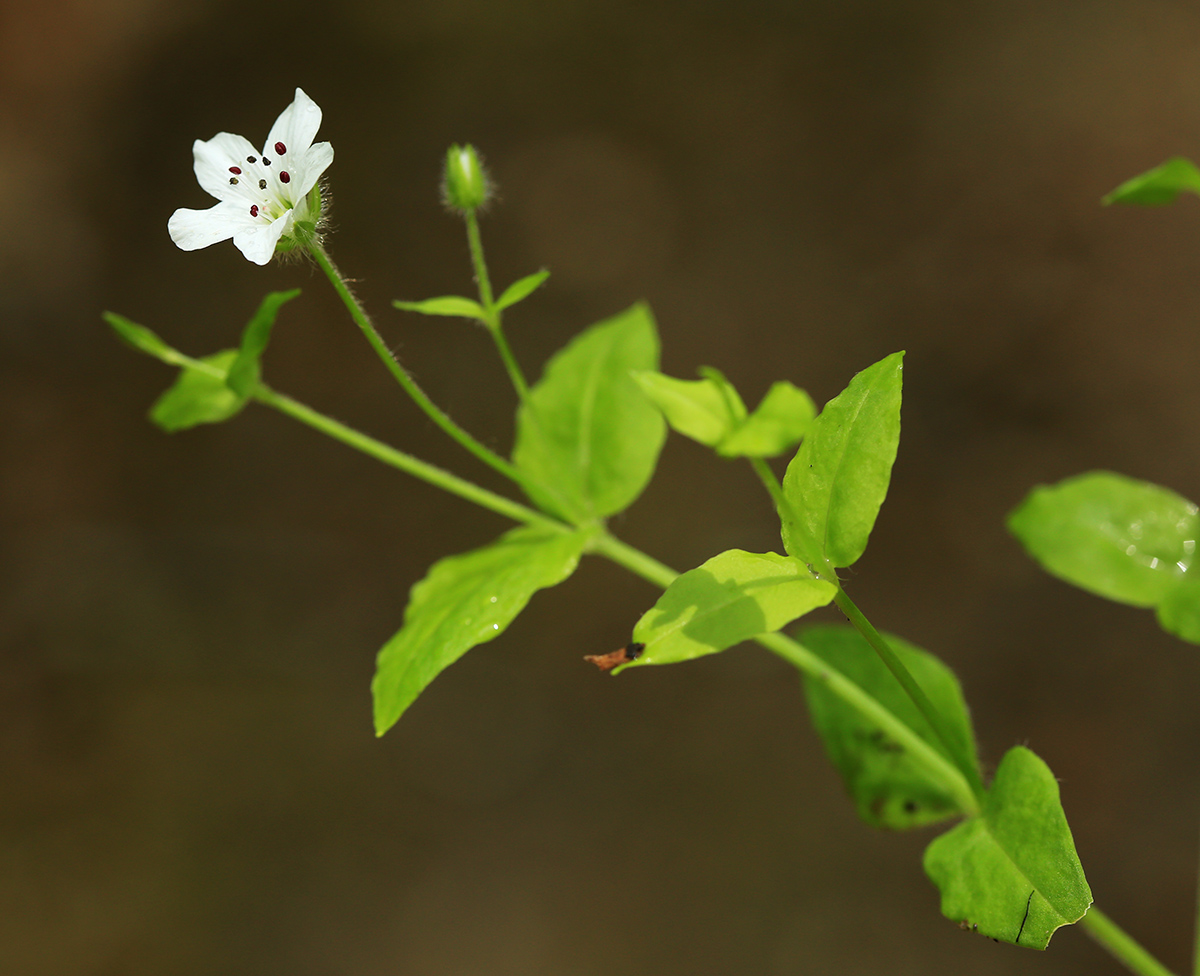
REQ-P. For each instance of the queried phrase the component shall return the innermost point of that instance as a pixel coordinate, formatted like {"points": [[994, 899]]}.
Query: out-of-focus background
{"points": [[189, 783]]}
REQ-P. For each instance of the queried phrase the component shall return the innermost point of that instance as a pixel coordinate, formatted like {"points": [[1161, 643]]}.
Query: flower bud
{"points": [[466, 186]]}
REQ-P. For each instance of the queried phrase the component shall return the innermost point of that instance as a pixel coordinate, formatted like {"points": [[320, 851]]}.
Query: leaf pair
{"points": [[468, 308], [1130, 541]]}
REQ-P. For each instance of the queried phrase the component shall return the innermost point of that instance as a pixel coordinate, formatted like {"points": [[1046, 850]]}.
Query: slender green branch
{"points": [[1119, 943], [955, 748], [486, 299], [363, 321], [774, 488]]}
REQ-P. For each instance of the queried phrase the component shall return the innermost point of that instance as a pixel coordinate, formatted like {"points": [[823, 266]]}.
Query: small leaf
{"points": [[695, 408], [445, 305], [463, 601], [730, 598], [521, 289], [245, 371], [838, 479], [587, 439], [777, 425], [1012, 872], [141, 338], [888, 788], [1127, 540], [199, 396], [1158, 186]]}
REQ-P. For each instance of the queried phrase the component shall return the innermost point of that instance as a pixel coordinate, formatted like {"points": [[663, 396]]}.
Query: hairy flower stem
{"points": [[400, 374]]}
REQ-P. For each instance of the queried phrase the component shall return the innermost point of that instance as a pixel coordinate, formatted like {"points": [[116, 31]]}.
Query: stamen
{"points": [[251, 159], [262, 184], [284, 177], [233, 180], [254, 210], [236, 171], [280, 148], [266, 162]]}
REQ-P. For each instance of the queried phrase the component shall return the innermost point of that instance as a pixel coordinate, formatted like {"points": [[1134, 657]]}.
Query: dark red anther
{"points": [[280, 148], [284, 177], [235, 170], [254, 210]]}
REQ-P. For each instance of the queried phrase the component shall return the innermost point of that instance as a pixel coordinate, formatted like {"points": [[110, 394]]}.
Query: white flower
{"points": [[265, 196]]}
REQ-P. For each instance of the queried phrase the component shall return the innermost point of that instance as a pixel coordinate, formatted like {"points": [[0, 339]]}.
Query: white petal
{"points": [[316, 160], [213, 159], [295, 128], [258, 242], [194, 229]]}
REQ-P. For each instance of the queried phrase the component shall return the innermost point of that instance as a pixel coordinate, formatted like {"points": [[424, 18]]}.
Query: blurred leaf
{"points": [[199, 396], [698, 409], [1012, 872], [1179, 611], [1158, 186], [521, 289], [463, 601], [245, 372], [445, 305], [778, 424], [888, 788], [586, 438], [730, 598], [141, 338], [838, 479], [1127, 540]]}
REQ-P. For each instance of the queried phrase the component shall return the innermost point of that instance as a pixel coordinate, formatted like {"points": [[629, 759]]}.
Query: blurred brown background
{"points": [[190, 784]]}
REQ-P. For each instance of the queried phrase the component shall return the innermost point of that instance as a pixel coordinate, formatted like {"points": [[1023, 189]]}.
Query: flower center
{"points": [[263, 185]]}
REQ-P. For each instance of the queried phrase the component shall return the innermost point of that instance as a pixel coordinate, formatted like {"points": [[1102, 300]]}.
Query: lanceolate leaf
{"points": [[445, 305], [888, 788], [698, 409], [732, 597], [520, 289], [466, 600], [777, 424], [141, 338], [1127, 540], [1159, 185], [1012, 873], [586, 437], [245, 371], [837, 481], [199, 397]]}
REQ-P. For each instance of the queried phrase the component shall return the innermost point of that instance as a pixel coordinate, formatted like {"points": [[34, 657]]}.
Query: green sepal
{"points": [[246, 370], [463, 601], [730, 598], [587, 440], [199, 396], [1158, 186], [521, 289], [454, 305], [836, 483], [141, 338], [889, 789], [1127, 540], [1012, 873]]}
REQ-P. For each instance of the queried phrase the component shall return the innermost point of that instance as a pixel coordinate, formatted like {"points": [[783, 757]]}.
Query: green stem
{"points": [[492, 320], [363, 321], [774, 488], [955, 748], [1118, 943]]}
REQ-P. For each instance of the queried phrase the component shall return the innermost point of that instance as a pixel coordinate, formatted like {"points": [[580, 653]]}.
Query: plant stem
{"points": [[955, 748], [1118, 942], [492, 313], [363, 321], [774, 488]]}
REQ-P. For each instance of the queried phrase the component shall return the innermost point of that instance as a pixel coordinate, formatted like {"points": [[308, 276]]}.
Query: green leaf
{"points": [[888, 788], [1179, 612], [778, 424], [199, 396], [587, 440], [445, 305], [1127, 540], [838, 479], [730, 598], [1012, 872], [698, 409], [1158, 186], [245, 372], [463, 601], [141, 338], [520, 289]]}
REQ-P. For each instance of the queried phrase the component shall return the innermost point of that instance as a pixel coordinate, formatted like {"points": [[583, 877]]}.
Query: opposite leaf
{"points": [[586, 438], [463, 601], [445, 305], [698, 409], [1158, 186], [199, 397], [778, 424], [520, 289], [245, 371], [141, 338], [837, 481], [1012, 872], [888, 787], [732, 597]]}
